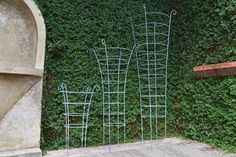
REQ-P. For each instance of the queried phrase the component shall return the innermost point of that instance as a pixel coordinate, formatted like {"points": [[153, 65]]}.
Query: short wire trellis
{"points": [[151, 32], [77, 106], [113, 64]]}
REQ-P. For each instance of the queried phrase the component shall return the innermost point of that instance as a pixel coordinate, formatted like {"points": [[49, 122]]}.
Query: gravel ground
{"points": [[170, 147]]}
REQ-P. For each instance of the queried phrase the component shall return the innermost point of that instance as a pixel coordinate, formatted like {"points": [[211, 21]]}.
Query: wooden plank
{"points": [[214, 70]]}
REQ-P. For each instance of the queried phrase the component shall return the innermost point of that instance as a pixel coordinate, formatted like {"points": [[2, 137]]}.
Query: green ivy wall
{"points": [[203, 32]]}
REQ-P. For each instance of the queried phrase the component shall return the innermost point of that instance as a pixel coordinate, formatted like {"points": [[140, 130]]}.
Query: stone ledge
{"points": [[213, 70], [34, 152], [21, 71]]}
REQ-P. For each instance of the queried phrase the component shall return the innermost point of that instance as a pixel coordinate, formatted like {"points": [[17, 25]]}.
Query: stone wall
{"points": [[22, 50]]}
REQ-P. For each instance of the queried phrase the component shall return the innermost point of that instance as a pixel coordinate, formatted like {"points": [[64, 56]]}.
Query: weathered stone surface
{"points": [[20, 127], [18, 35], [12, 88], [18, 45], [22, 50]]}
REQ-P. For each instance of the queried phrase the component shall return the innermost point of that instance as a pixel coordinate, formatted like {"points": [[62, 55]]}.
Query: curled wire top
{"points": [[173, 12], [137, 46], [96, 88], [92, 50], [103, 42], [62, 87]]}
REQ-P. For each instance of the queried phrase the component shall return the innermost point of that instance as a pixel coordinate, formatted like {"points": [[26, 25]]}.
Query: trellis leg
{"points": [[118, 98], [148, 69], [67, 128], [95, 88], [84, 111], [173, 12], [103, 115], [108, 93], [140, 94], [155, 75]]}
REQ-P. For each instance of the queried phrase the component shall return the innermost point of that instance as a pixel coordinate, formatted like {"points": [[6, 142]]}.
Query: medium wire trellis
{"points": [[113, 65], [151, 34], [77, 106]]}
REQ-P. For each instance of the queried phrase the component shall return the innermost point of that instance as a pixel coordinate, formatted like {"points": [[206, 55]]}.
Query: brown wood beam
{"points": [[213, 70]]}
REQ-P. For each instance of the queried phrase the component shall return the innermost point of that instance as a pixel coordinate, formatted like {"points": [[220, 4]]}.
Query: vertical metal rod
{"points": [[139, 83], [103, 110], [90, 101], [65, 96], [64, 87], [87, 113], [84, 109], [155, 75], [148, 67], [108, 93], [173, 12], [140, 93], [103, 96], [118, 98], [125, 83]]}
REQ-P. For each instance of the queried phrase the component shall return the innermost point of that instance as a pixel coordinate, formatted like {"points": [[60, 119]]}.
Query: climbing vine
{"points": [[203, 32]]}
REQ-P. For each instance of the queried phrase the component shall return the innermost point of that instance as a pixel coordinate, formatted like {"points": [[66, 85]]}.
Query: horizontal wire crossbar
{"points": [[113, 71], [117, 92], [143, 68], [151, 23], [154, 43], [152, 96], [153, 86], [114, 64], [146, 75], [76, 103], [144, 60], [111, 82], [157, 65], [113, 103], [107, 48], [79, 126], [116, 58], [114, 124], [153, 116], [157, 53], [76, 114], [114, 113], [153, 106], [74, 92], [152, 34]]}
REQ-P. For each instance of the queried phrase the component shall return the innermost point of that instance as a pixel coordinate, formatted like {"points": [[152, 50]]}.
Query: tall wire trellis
{"points": [[113, 65], [77, 107], [151, 34]]}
